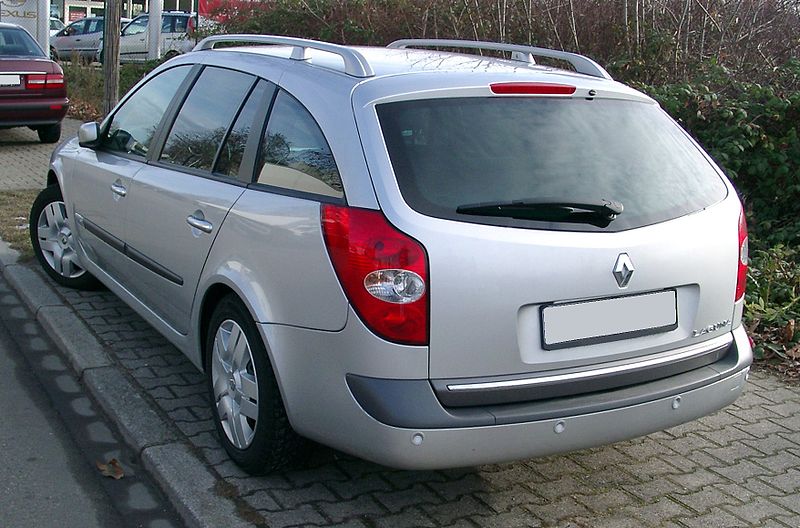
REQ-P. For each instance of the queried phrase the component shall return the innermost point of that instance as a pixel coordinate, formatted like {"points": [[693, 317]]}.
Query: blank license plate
{"points": [[591, 322], [9, 80]]}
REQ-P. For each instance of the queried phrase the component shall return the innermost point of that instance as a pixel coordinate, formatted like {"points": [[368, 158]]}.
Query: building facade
{"points": [[69, 10]]}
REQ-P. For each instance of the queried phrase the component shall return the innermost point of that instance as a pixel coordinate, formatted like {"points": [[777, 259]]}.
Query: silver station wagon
{"points": [[424, 258]]}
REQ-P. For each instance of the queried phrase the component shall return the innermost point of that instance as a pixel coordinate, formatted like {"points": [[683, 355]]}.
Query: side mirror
{"points": [[89, 135]]}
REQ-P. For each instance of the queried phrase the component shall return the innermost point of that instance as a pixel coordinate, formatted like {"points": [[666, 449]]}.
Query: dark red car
{"points": [[32, 88]]}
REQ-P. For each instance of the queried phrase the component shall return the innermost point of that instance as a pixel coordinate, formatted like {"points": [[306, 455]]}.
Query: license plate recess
{"points": [[583, 323]]}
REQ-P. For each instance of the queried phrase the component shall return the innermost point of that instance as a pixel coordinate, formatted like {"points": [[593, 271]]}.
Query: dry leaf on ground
{"points": [[112, 469]]}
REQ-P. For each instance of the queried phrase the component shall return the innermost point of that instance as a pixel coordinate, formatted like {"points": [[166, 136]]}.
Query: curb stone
{"points": [[177, 469], [179, 472], [140, 425]]}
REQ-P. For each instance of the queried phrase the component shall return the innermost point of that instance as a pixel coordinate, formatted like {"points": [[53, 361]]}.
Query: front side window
{"points": [[134, 124], [205, 117], [139, 25], [76, 28], [294, 152]]}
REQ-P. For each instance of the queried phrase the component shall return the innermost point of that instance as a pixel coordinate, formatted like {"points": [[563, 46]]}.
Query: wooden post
{"points": [[111, 29]]}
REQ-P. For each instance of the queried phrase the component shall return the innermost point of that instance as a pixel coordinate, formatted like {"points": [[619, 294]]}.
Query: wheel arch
{"points": [[217, 288]]}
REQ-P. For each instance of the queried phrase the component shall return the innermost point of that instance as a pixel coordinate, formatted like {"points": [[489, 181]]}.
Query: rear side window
{"points": [[134, 124], [294, 152], [230, 156], [205, 117], [180, 24], [95, 25], [456, 152]]}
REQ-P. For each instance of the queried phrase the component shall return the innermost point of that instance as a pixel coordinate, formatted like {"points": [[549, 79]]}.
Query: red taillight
{"points": [[383, 272], [55, 81], [40, 81], [741, 279], [531, 88], [35, 81]]}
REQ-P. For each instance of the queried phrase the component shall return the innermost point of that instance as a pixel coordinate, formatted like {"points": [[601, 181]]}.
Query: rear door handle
{"points": [[119, 190], [198, 223]]}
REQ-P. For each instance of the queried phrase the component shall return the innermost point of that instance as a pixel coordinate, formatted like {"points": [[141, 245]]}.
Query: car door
{"points": [[92, 35], [179, 201], [133, 40], [100, 181], [69, 39]]}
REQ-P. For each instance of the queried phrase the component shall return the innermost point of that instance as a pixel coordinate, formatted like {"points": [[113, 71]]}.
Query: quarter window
{"points": [[134, 124], [205, 117], [294, 153]]}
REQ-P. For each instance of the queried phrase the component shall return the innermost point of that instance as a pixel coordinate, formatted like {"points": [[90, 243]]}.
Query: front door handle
{"points": [[119, 190], [198, 223]]}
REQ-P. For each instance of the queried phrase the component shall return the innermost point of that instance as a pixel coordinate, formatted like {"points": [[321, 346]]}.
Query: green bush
{"points": [[751, 130], [85, 85]]}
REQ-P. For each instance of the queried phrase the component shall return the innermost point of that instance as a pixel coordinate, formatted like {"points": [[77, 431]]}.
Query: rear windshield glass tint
{"points": [[448, 153]]}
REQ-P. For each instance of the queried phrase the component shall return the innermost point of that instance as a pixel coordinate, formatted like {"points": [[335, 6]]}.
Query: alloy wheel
{"points": [[235, 384], [56, 241]]}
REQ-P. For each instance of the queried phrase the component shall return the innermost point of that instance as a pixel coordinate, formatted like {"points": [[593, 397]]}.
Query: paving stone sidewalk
{"points": [[738, 467]]}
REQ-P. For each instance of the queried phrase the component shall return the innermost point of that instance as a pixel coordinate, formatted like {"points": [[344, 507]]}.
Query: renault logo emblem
{"points": [[623, 270]]}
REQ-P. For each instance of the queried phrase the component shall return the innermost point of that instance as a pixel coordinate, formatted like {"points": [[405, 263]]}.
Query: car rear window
{"points": [[454, 152], [17, 43]]}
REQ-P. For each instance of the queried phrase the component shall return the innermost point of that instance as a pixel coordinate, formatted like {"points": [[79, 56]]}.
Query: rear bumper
{"points": [[38, 113], [401, 423]]}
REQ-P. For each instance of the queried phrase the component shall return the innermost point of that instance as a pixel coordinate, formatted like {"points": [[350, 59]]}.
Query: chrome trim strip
{"points": [[24, 73], [680, 354]]}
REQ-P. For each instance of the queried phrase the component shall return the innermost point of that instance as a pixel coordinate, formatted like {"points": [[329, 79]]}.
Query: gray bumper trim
{"points": [[413, 403], [576, 381]]}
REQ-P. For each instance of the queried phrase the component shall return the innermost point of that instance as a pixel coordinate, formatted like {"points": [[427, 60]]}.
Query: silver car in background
{"points": [[427, 259], [80, 39]]}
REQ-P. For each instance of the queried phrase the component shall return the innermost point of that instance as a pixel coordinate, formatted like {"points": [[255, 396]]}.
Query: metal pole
{"points": [[154, 30], [111, 29]]}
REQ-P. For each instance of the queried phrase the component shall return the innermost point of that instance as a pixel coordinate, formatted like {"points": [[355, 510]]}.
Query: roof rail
{"points": [[354, 63], [581, 64]]}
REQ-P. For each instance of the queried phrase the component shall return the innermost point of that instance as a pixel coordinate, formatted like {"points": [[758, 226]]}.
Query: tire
{"points": [[254, 431], [52, 241], [49, 134]]}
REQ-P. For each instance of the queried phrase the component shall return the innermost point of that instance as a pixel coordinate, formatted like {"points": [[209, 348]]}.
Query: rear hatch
{"points": [[533, 267]]}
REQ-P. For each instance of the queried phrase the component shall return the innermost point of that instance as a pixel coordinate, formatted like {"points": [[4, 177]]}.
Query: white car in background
{"points": [[56, 25], [176, 27], [81, 38]]}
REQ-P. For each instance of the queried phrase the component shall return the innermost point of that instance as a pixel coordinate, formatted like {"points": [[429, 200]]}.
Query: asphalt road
{"points": [[45, 477], [50, 438]]}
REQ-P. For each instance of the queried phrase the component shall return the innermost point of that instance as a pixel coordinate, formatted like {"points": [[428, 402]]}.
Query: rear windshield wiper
{"points": [[596, 212]]}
